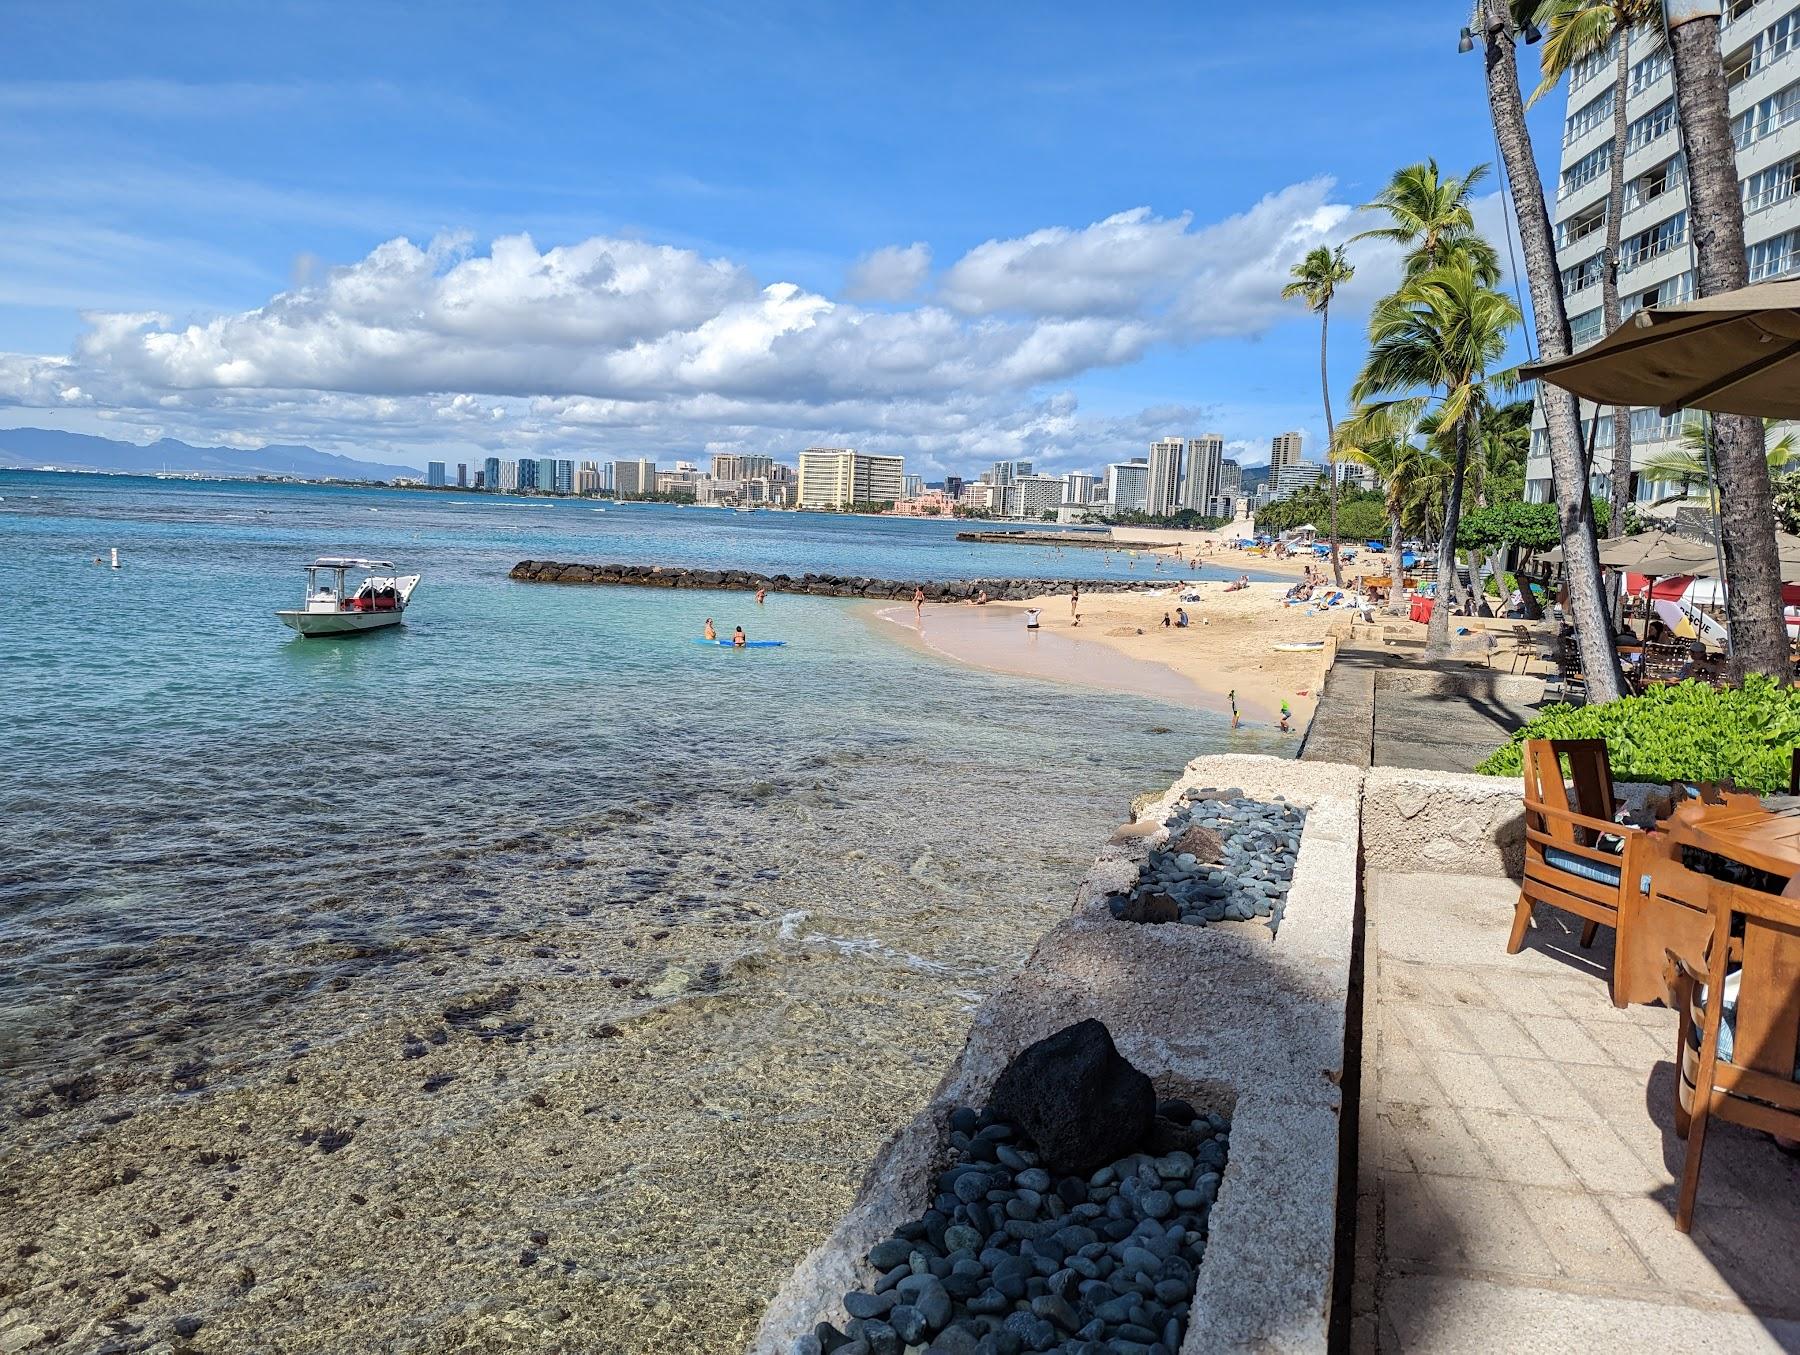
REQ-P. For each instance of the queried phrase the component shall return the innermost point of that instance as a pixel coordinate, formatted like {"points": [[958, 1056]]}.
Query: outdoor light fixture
{"points": [[1532, 32], [1467, 42]]}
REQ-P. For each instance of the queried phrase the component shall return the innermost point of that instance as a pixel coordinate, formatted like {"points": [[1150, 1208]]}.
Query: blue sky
{"points": [[671, 165]]}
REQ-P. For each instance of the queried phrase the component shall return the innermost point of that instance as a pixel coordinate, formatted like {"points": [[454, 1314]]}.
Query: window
{"points": [[1582, 225], [1767, 116], [1737, 9], [1585, 170], [1774, 184], [1666, 293], [1653, 124], [1652, 184], [1591, 65], [1648, 71], [1583, 275], [1587, 327], [1770, 45], [1771, 258], [1583, 121], [1653, 243]]}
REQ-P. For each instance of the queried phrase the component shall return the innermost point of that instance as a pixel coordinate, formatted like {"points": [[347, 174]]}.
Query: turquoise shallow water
{"points": [[226, 852]]}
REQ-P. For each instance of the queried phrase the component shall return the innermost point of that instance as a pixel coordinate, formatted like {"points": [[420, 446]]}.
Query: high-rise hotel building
{"points": [[836, 477], [1761, 43]]}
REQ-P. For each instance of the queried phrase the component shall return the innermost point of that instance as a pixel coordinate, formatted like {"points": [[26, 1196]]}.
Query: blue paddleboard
{"points": [[748, 644]]}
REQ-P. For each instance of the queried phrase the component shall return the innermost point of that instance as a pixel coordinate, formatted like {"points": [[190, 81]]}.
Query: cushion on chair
{"points": [[1727, 1026], [1597, 871]]}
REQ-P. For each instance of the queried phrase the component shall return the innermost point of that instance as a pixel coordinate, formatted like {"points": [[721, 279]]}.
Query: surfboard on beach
{"points": [[748, 644]]}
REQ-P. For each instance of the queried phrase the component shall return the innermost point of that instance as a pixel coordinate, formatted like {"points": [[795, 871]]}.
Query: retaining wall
{"points": [[1230, 1020]]}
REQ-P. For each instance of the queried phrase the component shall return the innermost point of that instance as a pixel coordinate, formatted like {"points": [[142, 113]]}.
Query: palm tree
{"points": [[1432, 220], [1441, 332], [1689, 468], [1317, 278], [1716, 223], [1576, 30], [1568, 467], [1377, 439]]}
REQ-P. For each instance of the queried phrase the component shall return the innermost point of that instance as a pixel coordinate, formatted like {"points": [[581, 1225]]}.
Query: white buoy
{"points": [[115, 551]]}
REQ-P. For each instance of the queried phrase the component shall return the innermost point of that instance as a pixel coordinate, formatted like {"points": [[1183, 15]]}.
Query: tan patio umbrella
{"points": [[1734, 353], [1630, 552]]}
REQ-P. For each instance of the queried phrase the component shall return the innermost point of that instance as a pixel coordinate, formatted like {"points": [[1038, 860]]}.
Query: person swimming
{"points": [[737, 638], [710, 633]]}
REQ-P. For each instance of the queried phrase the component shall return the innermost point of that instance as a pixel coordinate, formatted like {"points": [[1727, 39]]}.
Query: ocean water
{"points": [[522, 977]]}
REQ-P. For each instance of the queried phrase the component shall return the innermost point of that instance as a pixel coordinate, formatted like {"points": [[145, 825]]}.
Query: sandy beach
{"points": [[1121, 645]]}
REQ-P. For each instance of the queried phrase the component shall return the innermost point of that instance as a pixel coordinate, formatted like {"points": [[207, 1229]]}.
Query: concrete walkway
{"points": [[1517, 1161]]}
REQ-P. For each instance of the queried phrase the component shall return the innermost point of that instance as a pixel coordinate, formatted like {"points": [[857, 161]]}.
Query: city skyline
{"points": [[701, 297]]}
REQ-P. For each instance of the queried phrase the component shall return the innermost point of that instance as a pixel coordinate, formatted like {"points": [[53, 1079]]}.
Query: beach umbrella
{"points": [[1737, 352]]}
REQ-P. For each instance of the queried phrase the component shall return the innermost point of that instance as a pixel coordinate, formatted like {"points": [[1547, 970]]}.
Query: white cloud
{"points": [[893, 273], [613, 341]]}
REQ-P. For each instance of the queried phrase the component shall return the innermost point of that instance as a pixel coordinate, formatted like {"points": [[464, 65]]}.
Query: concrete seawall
{"points": [[819, 585], [1233, 1022]]}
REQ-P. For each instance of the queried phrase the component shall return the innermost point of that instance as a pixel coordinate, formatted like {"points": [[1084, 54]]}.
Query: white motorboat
{"points": [[332, 608]]}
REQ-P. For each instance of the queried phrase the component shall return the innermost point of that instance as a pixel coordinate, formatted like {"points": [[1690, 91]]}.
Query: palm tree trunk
{"points": [[1337, 569], [1609, 279], [1740, 465], [1396, 599], [1437, 634], [1568, 476]]}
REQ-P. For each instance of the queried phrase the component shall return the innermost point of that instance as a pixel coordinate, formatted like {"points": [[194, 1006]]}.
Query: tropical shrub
{"points": [[1688, 732]]}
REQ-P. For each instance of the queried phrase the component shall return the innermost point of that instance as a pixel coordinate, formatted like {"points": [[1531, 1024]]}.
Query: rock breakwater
{"points": [[819, 585], [1228, 859]]}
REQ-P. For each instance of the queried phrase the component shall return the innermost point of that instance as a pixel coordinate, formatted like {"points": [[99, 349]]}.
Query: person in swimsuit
{"points": [[737, 638], [710, 633], [761, 593], [918, 601], [1031, 618]]}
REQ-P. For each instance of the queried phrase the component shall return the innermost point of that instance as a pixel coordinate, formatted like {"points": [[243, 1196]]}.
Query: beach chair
{"points": [[1737, 1054], [1574, 852]]}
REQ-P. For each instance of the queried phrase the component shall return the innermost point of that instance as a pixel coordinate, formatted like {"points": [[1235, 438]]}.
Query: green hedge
{"points": [[1688, 732]]}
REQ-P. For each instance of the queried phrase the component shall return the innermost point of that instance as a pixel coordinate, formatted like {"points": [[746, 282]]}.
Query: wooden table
{"points": [[1741, 829]]}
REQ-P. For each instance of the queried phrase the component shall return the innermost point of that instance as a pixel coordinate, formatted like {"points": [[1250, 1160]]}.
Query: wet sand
{"points": [[1122, 646]]}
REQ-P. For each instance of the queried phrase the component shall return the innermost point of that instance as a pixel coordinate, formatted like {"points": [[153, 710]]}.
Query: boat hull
{"points": [[337, 623]]}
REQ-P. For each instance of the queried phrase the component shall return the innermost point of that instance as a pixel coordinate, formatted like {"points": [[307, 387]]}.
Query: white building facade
{"points": [[1761, 44]]}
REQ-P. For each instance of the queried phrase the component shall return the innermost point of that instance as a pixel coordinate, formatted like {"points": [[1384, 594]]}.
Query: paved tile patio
{"points": [[1517, 1160]]}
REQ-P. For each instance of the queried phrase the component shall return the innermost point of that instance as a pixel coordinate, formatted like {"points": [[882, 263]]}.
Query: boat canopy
{"points": [[348, 562]]}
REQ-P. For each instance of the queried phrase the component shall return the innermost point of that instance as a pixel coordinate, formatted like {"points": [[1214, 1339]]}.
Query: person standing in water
{"points": [[737, 638], [711, 634], [761, 593], [918, 602], [1031, 618], [1231, 696]]}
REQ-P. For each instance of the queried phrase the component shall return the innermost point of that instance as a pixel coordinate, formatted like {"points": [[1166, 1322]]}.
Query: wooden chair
{"points": [[1737, 1051], [1794, 773], [1565, 864], [1525, 647], [1662, 918]]}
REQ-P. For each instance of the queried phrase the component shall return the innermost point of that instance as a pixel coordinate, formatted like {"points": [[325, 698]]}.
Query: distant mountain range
{"points": [[34, 448]]}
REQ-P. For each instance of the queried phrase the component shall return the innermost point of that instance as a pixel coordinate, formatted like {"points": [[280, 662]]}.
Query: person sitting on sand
{"points": [[1165, 621], [737, 638], [981, 597], [1238, 584], [710, 633], [1181, 619], [1076, 622]]}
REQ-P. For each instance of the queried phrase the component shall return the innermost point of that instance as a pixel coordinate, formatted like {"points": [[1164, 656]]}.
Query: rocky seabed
{"points": [[820, 585]]}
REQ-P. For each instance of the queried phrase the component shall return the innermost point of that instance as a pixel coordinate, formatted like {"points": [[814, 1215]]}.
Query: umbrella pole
{"points": [[1713, 497]]}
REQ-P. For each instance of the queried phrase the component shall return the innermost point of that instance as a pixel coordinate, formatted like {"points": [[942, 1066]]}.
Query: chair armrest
{"points": [[1570, 816]]}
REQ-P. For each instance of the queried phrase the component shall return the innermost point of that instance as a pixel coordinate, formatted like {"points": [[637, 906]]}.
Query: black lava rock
{"points": [[1076, 1097]]}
